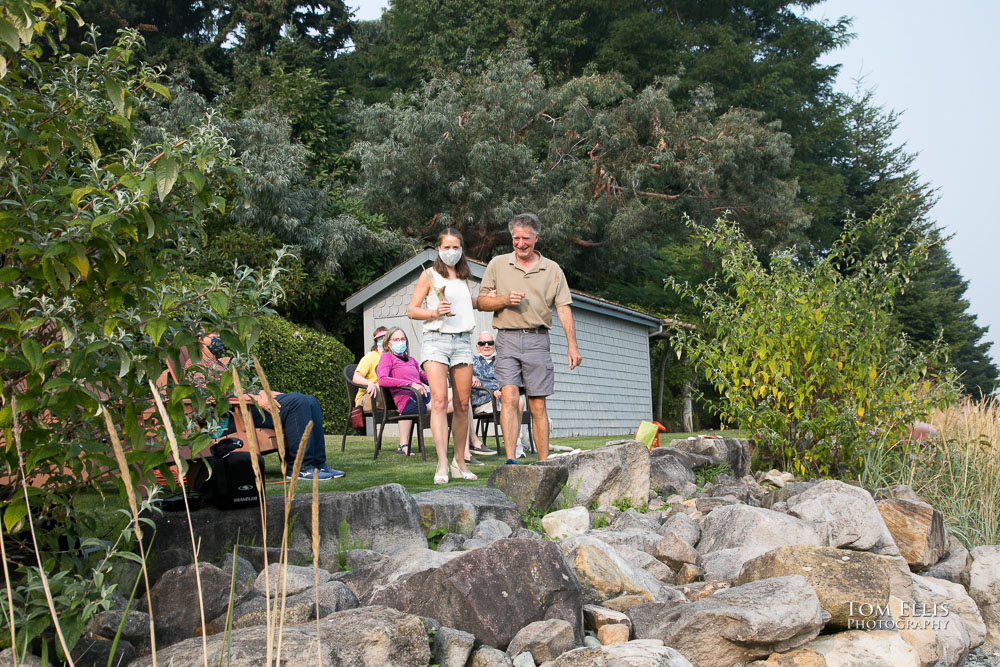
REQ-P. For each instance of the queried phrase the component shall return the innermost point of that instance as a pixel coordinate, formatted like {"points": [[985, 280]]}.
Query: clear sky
{"points": [[937, 64]]}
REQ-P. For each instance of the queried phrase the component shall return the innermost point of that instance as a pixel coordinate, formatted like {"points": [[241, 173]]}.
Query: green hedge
{"points": [[297, 358]]}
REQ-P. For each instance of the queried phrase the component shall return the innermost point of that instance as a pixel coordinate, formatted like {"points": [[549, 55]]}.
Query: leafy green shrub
{"points": [[297, 358], [804, 354], [96, 228]]}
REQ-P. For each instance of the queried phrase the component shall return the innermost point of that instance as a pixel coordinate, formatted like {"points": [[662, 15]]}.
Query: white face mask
{"points": [[450, 257]]}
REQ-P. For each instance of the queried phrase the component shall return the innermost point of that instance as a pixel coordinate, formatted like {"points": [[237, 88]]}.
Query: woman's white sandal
{"points": [[466, 475]]}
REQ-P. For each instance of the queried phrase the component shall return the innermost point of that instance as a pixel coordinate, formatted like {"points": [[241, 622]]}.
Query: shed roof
{"points": [[580, 299]]}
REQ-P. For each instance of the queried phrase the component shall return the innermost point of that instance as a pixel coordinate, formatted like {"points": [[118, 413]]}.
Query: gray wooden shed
{"points": [[609, 394]]}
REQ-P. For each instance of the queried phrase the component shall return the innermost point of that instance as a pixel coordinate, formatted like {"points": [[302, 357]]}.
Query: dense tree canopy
{"points": [[358, 140], [610, 171], [217, 40]]}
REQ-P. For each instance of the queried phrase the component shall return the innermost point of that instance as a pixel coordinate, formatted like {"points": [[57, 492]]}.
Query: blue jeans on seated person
{"points": [[296, 411], [410, 407]]}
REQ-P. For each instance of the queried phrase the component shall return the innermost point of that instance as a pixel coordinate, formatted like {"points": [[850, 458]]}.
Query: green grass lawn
{"points": [[363, 471], [412, 472]]}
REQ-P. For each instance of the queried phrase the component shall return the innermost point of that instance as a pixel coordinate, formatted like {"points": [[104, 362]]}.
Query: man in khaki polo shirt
{"points": [[528, 286]]}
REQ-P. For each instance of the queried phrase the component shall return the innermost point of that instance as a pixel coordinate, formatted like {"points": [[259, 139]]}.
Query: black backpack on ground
{"points": [[232, 484]]}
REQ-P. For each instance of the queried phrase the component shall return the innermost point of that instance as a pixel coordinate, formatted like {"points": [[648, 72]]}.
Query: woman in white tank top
{"points": [[442, 299]]}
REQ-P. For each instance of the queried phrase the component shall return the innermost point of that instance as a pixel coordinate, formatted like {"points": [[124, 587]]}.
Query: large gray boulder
{"points": [[938, 595], [332, 596], [174, 599], [951, 566], [636, 537], [732, 535], [458, 509], [241, 568], [289, 579], [742, 623], [844, 514], [366, 637], [385, 518], [618, 470], [850, 585], [531, 488], [604, 574], [493, 591], [636, 653], [670, 472], [367, 580], [733, 451], [983, 579]]}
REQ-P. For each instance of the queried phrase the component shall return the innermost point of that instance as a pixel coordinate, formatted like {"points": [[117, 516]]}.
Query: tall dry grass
{"points": [[958, 471], [274, 611]]}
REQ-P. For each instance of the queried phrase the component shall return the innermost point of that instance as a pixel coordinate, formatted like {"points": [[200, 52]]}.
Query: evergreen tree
{"points": [[756, 54], [611, 172], [214, 41], [279, 204], [933, 303]]}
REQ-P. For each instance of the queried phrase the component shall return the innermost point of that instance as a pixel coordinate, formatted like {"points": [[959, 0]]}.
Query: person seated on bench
{"points": [[295, 411], [484, 383]]}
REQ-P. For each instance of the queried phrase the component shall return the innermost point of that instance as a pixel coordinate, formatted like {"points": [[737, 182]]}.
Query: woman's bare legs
{"points": [[437, 379], [461, 387], [404, 432]]}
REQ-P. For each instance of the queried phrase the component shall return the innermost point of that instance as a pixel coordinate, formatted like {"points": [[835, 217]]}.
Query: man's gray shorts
{"points": [[523, 359]]}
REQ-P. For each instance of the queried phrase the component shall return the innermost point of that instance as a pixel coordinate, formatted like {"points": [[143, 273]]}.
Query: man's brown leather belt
{"points": [[534, 331]]}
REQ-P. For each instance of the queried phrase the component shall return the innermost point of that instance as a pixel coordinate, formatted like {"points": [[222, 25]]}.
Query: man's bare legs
{"points": [[510, 417], [539, 425]]}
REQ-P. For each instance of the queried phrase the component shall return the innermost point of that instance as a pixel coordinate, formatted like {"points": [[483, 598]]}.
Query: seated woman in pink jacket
{"points": [[397, 369]]}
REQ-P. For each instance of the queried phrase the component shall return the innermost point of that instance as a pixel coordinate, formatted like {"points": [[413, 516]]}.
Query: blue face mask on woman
{"points": [[398, 346]]}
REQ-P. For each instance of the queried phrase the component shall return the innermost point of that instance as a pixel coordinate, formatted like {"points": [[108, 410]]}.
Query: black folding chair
{"points": [[352, 392], [385, 413]]}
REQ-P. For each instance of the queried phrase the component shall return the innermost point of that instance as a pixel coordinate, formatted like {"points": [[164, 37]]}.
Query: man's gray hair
{"points": [[523, 220]]}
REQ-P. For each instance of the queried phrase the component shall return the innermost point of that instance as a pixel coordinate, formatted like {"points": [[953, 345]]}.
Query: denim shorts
{"points": [[450, 349]]}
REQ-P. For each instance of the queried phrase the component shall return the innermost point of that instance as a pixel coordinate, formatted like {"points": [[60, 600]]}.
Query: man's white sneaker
{"points": [[519, 450]]}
